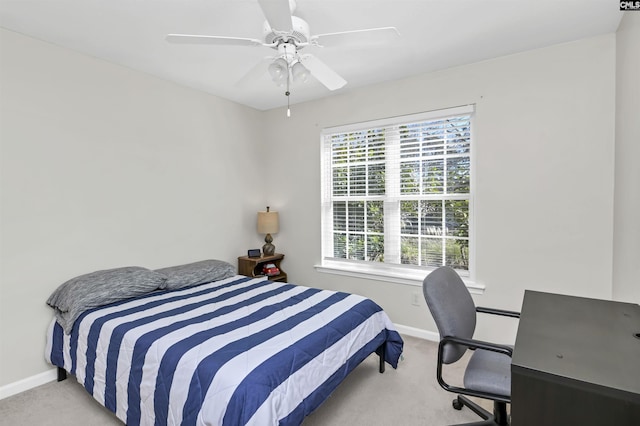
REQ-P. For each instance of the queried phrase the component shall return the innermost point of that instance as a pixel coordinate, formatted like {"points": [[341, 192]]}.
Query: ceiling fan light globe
{"points": [[278, 70], [300, 72]]}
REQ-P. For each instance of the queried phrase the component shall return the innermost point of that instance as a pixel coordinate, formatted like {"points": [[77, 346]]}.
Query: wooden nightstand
{"points": [[252, 266]]}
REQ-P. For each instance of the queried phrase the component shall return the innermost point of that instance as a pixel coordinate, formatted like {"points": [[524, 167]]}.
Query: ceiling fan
{"points": [[288, 35]]}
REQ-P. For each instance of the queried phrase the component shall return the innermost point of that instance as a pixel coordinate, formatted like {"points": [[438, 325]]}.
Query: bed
{"points": [[234, 351]]}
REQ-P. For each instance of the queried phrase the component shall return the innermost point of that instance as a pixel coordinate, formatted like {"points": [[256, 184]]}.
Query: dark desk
{"points": [[576, 361]]}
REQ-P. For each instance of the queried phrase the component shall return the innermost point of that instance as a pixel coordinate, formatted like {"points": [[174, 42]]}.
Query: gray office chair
{"points": [[488, 373]]}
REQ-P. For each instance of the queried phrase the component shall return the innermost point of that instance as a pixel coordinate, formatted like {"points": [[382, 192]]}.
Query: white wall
{"points": [[103, 167], [626, 243], [544, 151]]}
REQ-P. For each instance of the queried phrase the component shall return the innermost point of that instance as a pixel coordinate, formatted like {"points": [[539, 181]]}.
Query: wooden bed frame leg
{"points": [[382, 358], [62, 374]]}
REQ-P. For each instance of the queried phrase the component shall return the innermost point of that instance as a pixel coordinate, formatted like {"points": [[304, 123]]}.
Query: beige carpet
{"points": [[409, 395]]}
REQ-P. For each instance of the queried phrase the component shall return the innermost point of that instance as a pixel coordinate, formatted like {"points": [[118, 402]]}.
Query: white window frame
{"points": [[383, 271]]}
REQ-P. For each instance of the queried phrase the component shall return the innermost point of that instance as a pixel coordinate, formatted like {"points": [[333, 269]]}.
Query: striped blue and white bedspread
{"points": [[235, 351]]}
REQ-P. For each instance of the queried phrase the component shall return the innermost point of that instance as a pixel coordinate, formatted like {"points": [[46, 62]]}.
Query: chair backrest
{"points": [[452, 309]]}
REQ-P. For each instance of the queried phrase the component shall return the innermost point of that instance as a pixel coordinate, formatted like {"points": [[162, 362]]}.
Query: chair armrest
{"points": [[473, 344], [501, 312]]}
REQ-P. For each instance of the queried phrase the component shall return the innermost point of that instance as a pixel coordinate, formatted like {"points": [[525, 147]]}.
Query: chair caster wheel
{"points": [[457, 404]]}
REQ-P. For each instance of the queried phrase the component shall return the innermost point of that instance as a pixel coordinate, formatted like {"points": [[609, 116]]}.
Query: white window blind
{"points": [[398, 191]]}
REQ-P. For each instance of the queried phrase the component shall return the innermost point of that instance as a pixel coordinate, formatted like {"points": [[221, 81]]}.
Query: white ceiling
{"points": [[434, 35]]}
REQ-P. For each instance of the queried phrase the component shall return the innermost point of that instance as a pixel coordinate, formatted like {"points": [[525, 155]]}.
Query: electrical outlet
{"points": [[415, 300]]}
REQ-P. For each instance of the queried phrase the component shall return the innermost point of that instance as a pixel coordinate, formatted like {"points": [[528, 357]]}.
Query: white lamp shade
{"points": [[268, 222]]}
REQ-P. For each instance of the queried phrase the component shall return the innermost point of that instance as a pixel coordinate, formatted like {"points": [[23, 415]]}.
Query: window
{"points": [[398, 192]]}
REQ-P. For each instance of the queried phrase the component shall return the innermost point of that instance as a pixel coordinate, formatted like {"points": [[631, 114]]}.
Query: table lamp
{"points": [[268, 224]]}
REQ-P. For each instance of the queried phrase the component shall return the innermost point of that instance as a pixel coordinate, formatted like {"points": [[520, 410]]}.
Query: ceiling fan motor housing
{"points": [[298, 36]]}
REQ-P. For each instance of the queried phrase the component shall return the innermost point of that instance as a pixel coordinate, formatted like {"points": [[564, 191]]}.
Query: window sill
{"points": [[399, 275]]}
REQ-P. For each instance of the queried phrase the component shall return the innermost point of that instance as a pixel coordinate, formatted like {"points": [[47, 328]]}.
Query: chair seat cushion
{"points": [[489, 371]]}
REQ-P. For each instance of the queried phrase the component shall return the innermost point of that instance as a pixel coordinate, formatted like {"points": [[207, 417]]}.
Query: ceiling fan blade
{"points": [[255, 72], [205, 39], [369, 35], [322, 72], [278, 14]]}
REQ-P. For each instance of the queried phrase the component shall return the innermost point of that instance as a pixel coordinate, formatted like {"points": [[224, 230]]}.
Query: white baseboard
{"points": [[418, 332], [51, 375], [28, 383]]}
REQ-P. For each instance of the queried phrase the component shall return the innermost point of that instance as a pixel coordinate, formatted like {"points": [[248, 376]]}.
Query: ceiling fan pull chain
{"points": [[287, 93], [288, 109]]}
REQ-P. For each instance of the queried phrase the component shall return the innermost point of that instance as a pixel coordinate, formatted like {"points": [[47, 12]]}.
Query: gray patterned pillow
{"points": [[101, 288], [191, 274]]}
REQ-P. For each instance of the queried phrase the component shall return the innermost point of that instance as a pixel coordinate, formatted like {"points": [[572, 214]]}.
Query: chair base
{"points": [[499, 416]]}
